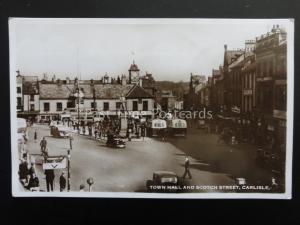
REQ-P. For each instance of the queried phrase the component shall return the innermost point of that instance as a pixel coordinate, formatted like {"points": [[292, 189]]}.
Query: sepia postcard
{"points": [[151, 108]]}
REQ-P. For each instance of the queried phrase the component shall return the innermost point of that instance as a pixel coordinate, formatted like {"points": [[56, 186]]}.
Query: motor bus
{"points": [[156, 128], [177, 127], [85, 114], [98, 116]]}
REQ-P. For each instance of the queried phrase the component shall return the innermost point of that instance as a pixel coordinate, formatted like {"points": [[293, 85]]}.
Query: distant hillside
{"points": [[178, 88]]}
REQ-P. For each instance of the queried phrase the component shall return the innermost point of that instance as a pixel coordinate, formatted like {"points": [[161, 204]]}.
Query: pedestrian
{"points": [[81, 187], [187, 168], [143, 133], [34, 183], [90, 131], [35, 135], [62, 181], [31, 170], [96, 133], [274, 184], [43, 145], [221, 137], [23, 171], [49, 179]]}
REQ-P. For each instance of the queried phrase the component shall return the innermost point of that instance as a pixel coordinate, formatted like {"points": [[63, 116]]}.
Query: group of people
{"points": [[28, 176], [50, 180]]}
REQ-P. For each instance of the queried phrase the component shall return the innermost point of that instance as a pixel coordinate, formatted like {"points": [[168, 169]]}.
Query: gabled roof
{"points": [[236, 62], [138, 92], [232, 55]]}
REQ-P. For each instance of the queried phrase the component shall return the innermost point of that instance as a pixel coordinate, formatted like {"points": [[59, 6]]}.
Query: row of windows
{"points": [[94, 105], [269, 67]]}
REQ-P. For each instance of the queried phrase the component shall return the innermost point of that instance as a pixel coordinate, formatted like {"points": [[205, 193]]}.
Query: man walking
{"points": [[43, 144], [35, 135], [187, 168], [62, 181], [49, 179]]}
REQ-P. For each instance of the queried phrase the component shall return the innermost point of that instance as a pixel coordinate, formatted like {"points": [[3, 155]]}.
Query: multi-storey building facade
{"points": [[48, 99], [217, 100], [271, 81], [232, 79]]}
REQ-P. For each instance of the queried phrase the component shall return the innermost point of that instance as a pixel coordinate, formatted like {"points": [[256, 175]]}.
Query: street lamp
{"points": [[69, 175], [71, 139], [79, 94], [90, 182]]}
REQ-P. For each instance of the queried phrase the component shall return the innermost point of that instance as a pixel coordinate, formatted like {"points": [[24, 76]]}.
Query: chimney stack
{"points": [[123, 80]]}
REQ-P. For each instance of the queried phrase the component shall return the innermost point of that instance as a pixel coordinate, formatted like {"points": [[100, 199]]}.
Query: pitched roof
{"points": [[138, 92], [56, 91], [237, 61], [134, 67], [232, 55], [30, 88], [102, 91], [105, 91]]}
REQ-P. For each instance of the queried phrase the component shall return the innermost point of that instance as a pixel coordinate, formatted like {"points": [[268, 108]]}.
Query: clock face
{"points": [[134, 76]]}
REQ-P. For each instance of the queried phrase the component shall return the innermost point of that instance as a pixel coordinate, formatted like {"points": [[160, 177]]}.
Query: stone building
{"points": [[50, 98], [271, 84]]}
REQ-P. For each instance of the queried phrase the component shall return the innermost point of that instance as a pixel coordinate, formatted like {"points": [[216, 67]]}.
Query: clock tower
{"points": [[134, 74]]}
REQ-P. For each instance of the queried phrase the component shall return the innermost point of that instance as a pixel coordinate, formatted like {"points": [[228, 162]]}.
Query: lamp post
{"points": [[124, 108], [90, 182], [78, 95], [71, 139], [69, 175]]}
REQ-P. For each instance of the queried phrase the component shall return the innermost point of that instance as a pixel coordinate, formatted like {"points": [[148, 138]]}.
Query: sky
{"points": [[89, 48]]}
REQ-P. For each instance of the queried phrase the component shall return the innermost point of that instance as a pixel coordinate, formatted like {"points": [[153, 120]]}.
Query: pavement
{"points": [[127, 170]]}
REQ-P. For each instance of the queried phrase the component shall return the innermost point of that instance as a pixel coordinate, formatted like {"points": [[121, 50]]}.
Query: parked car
{"points": [[59, 131], [164, 181], [201, 124]]}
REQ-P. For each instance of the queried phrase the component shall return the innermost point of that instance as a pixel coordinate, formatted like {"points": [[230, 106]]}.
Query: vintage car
{"points": [[157, 128], [115, 141], [164, 181], [59, 131], [177, 127], [201, 124]]}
